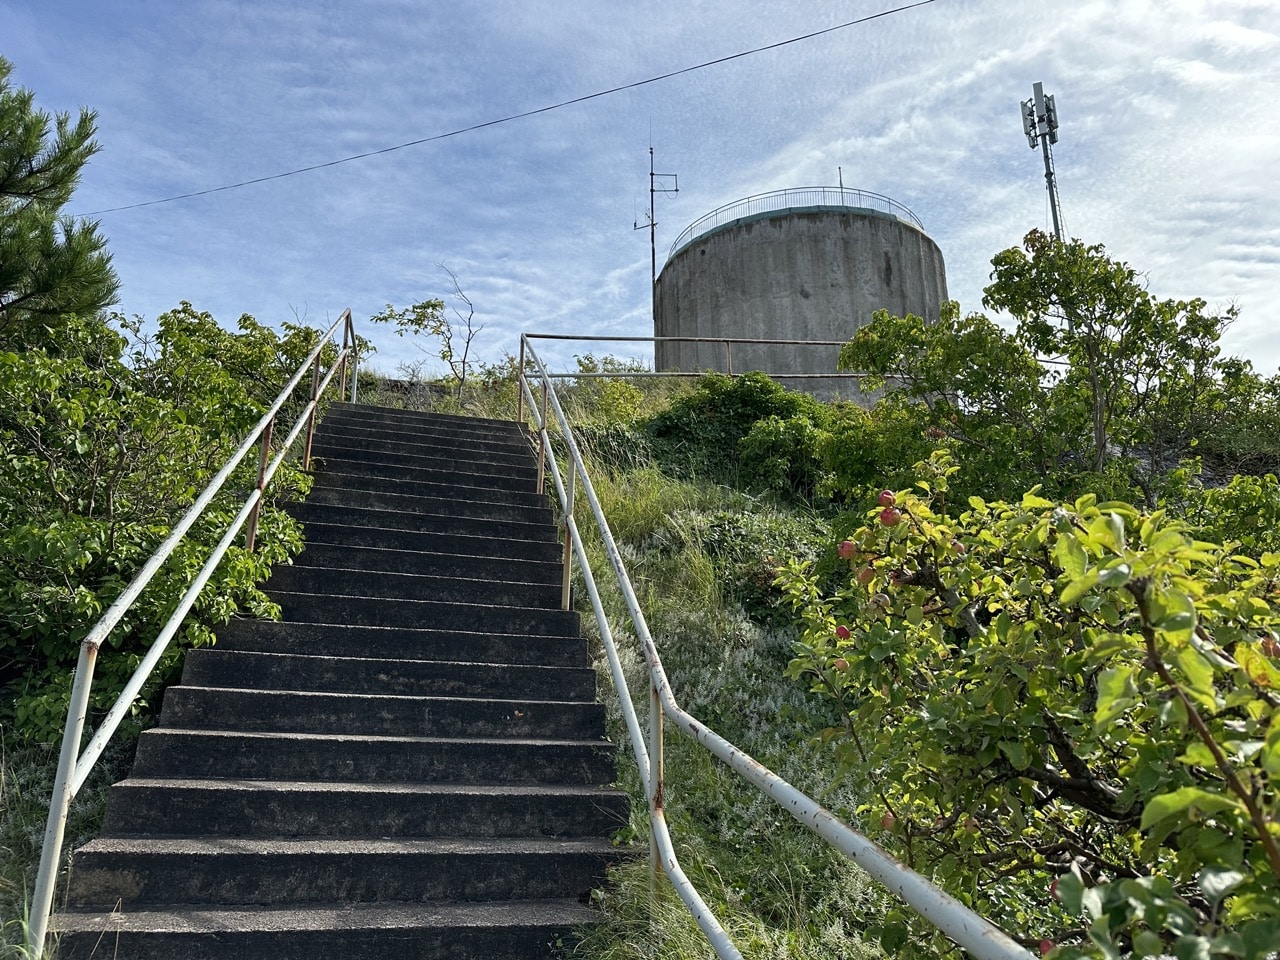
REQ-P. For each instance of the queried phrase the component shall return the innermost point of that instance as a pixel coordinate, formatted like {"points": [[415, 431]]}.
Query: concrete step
{"points": [[514, 479], [464, 425], [437, 615], [478, 459], [214, 667], [362, 517], [171, 752], [267, 808], [336, 931], [493, 559], [436, 435], [436, 460], [227, 870], [289, 711], [381, 585], [324, 493], [450, 488], [339, 639]]}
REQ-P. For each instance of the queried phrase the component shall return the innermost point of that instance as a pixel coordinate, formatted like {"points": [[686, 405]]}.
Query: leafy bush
{"points": [[1081, 692], [100, 452], [709, 434]]}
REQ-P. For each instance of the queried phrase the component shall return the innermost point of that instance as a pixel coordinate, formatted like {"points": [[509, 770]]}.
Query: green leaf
{"points": [[1197, 671], [1115, 575], [1078, 587], [1147, 944], [1016, 753], [1216, 882], [1115, 695], [1071, 556], [1183, 799]]}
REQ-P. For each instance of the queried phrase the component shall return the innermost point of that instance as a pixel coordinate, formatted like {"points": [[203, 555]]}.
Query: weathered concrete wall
{"points": [[793, 275]]}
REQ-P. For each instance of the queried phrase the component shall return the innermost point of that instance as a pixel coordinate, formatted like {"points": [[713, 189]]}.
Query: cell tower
{"points": [[1040, 124]]}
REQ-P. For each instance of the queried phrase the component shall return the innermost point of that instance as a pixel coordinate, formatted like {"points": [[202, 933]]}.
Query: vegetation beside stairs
{"points": [[411, 763]]}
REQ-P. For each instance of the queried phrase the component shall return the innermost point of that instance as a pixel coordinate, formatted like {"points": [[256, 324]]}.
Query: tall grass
{"points": [[26, 783]]}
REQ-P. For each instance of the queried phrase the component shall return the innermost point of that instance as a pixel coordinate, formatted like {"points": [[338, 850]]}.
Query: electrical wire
{"points": [[515, 116]]}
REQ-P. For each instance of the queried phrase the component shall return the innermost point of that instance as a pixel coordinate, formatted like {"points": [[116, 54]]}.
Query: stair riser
{"points": [[399, 415], [449, 489], [159, 811], [426, 943], [513, 479], [422, 523], [373, 457], [494, 566], [461, 454], [166, 753], [357, 611], [324, 494], [503, 431], [404, 586], [232, 878], [394, 435], [225, 668], [199, 708], [337, 640]]}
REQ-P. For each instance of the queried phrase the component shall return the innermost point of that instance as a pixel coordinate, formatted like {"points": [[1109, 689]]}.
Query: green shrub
{"points": [[1082, 692]]}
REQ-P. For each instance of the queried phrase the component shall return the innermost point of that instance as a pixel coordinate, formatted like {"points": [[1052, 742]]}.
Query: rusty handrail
{"points": [[971, 931], [73, 766]]}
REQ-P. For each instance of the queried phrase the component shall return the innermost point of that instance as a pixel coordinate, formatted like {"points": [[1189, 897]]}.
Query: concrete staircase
{"points": [[409, 764]]}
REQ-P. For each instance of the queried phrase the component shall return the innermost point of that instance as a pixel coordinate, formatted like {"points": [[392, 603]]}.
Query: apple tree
{"points": [[1065, 713]]}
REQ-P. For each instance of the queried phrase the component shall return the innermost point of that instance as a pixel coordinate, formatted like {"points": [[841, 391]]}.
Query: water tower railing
{"points": [[790, 199]]}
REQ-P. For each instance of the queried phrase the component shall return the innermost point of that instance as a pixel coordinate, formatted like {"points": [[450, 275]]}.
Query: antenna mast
{"points": [[1040, 124], [654, 190]]}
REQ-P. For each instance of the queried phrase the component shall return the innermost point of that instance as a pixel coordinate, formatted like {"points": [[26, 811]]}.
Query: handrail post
{"points": [[568, 539], [728, 357], [347, 351], [60, 803], [264, 458], [543, 439], [520, 379], [656, 785], [311, 417]]}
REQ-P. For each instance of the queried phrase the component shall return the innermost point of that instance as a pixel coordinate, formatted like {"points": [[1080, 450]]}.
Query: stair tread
{"points": [[409, 663], [202, 917], [381, 739], [364, 787], [396, 697], [222, 846]]}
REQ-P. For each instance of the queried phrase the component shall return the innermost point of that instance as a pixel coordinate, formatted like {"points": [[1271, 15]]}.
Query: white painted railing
{"points": [[74, 766], [974, 933]]}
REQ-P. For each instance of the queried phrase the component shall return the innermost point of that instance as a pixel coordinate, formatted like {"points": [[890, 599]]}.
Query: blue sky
{"points": [[1168, 153]]}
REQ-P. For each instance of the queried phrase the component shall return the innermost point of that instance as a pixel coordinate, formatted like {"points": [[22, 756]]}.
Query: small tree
{"points": [[50, 264], [455, 335]]}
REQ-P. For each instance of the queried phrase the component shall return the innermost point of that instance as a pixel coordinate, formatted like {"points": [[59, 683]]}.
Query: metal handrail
{"points": [[74, 767], [793, 198], [971, 931]]}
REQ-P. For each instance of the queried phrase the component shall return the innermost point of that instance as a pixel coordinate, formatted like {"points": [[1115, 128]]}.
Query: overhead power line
{"points": [[516, 116]]}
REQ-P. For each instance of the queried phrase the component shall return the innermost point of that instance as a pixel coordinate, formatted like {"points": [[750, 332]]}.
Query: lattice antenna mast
{"points": [[658, 183], [1040, 124]]}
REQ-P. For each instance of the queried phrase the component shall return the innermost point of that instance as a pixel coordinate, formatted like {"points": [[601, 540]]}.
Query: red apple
{"points": [[865, 574], [847, 549], [842, 632], [841, 664], [959, 547], [890, 516], [1046, 946], [888, 820], [887, 498], [881, 600]]}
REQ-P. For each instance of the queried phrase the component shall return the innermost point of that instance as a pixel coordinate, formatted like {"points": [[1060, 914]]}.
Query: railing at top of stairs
{"points": [[968, 929], [74, 766]]}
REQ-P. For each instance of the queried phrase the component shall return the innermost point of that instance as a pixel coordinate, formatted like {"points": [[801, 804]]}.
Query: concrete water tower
{"points": [[809, 263]]}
